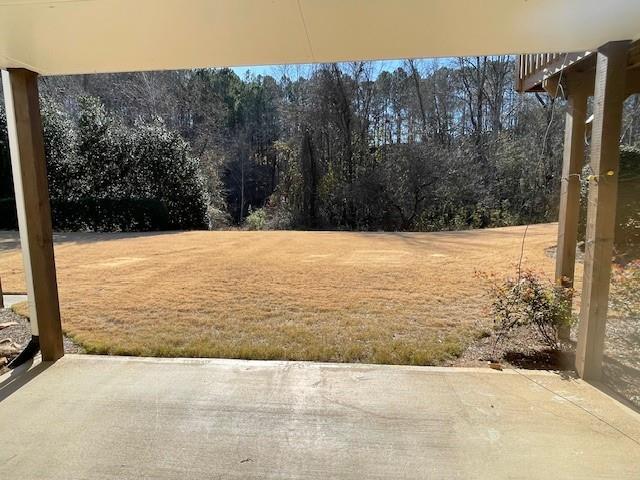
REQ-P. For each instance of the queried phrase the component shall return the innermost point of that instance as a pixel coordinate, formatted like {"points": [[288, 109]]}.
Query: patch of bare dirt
{"points": [[523, 348]]}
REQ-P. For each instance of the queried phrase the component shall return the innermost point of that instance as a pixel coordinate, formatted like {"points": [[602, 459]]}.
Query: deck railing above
{"points": [[534, 69]]}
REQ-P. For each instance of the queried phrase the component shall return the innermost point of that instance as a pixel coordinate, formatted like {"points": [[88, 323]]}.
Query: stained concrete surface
{"points": [[88, 417]]}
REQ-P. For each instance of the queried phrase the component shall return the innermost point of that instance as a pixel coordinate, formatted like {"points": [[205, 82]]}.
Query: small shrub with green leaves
{"points": [[256, 220], [532, 301]]}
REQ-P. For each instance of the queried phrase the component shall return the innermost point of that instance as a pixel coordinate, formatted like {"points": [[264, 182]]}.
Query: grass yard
{"points": [[408, 298]]}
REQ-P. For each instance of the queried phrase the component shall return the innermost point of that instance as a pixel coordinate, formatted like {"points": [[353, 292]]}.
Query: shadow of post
{"points": [[20, 377], [620, 381], [605, 388]]}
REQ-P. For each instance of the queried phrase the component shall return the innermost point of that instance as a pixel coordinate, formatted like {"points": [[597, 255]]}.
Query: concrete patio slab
{"points": [[10, 300], [88, 417]]}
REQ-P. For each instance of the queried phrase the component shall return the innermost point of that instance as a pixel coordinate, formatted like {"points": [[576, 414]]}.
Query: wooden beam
{"points": [[34, 212], [609, 95], [552, 87], [633, 60], [572, 160]]}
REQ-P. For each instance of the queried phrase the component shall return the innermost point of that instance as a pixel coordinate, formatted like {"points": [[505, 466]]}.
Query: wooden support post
{"points": [[573, 157], [1, 295], [34, 212], [609, 95]]}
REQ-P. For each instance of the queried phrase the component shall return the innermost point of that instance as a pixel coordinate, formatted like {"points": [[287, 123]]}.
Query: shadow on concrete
{"points": [[620, 381], [20, 376], [546, 359], [621, 363], [605, 386], [623, 381]]}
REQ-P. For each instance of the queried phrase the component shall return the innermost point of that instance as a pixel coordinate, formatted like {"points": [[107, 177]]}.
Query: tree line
{"points": [[427, 146]]}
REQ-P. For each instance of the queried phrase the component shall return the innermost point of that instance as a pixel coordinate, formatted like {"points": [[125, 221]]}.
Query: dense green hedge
{"points": [[98, 215], [109, 176]]}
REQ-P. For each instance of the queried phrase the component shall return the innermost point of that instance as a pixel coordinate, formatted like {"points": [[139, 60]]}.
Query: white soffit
{"points": [[85, 36]]}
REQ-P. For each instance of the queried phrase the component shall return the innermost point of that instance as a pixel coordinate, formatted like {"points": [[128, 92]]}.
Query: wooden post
{"points": [[32, 202], [609, 95], [573, 157], [1, 295]]}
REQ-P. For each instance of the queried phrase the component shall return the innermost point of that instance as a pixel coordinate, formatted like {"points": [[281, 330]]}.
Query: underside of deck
{"points": [[117, 417]]}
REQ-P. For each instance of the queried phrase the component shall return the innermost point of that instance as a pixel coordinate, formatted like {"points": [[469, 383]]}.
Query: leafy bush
{"points": [[164, 169], [110, 215], [60, 144], [146, 161], [530, 301], [6, 182], [97, 214], [256, 220], [106, 176], [273, 216], [218, 218], [279, 217]]}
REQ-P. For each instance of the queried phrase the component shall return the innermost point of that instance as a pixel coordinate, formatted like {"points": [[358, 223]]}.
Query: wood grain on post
{"points": [[32, 203], [572, 161], [609, 95]]}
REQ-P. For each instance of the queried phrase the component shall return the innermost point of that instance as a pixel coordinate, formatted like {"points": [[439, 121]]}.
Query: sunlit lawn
{"points": [[331, 296]]}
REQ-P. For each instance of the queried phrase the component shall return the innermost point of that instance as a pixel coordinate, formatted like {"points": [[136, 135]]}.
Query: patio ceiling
{"points": [[85, 36]]}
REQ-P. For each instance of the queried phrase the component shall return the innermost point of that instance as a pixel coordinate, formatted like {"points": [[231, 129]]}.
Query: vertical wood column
{"points": [[573, 158], [572, 161], [609, 95], [32, 201]]}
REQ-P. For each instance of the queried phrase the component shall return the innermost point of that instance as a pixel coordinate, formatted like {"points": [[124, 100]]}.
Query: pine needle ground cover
{"points": [[397, 298]]}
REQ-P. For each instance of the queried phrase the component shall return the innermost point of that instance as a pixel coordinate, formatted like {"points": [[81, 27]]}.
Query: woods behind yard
{"points": [[410, 145]]}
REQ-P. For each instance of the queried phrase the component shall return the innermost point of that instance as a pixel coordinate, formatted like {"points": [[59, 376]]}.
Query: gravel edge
{"points": [[21, 334]]}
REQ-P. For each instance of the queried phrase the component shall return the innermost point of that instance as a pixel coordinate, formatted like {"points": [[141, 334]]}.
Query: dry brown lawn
{"points": [[330, 296]]}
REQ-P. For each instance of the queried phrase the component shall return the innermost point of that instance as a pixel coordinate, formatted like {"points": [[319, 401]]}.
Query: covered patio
{"points": [[118, 417], [101, 417]]}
